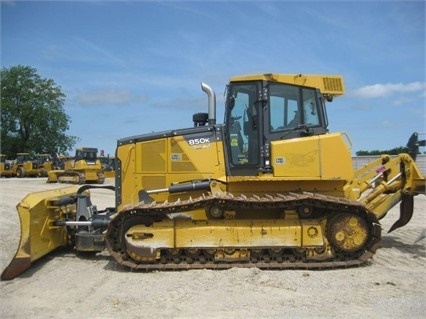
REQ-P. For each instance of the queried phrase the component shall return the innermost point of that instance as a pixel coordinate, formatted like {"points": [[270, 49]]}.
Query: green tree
{"points": [[32, 114], [394, 151]]}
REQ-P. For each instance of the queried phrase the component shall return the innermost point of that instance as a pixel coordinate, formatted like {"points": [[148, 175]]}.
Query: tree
{"points": [[32, 114], [394, 151], [412, 148]]}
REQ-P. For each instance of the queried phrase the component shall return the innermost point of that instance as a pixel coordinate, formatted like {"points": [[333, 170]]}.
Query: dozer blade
{"points": [[38, 235], [52, 176], [406, 209]]}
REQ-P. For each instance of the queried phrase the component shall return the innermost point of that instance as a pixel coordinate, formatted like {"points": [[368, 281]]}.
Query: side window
{"points": [[310, 108], [293, 114], [277, 112], [284, 107]]}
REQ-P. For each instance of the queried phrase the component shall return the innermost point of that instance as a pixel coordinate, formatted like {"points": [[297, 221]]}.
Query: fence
{"points": [[360, 161]]}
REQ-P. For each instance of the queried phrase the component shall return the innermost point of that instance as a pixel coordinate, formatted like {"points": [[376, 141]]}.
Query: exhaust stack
{"points": [[211, 103]]}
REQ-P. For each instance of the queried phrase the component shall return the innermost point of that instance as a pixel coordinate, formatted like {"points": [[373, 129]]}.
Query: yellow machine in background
{"points": [[108, 166], [45, 164], [85, 167], [6, 167], [27, 165], [270, 188]]}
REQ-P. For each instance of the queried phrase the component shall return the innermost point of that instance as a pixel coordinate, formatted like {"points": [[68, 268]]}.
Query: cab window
{"points": [[291, 106], [284, 107], [243, 124]]}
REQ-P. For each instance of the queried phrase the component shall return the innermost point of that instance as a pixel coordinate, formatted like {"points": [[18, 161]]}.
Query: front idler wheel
{"points": [[347, 232]]}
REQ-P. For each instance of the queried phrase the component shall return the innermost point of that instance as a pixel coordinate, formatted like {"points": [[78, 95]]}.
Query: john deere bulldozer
{"points": [[270, 188], [85, 167]]}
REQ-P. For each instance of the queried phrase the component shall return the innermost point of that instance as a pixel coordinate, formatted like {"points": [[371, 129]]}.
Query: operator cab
{"points": [[87, 154], [265, 108]]}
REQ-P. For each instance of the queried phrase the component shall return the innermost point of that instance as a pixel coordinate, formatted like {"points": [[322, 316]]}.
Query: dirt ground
{"points": [[66, 285]]}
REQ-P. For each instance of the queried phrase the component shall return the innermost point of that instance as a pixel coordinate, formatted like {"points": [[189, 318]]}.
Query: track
{"points": [[174, 259], [71, 177]]}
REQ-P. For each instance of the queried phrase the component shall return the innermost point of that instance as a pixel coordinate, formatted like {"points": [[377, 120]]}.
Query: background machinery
{"points": [[6, 167], [271, 188], [44, 163], [27, 164], [84, 167], [108, 166]]}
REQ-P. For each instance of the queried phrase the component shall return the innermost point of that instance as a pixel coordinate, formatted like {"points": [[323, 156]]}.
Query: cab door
{"points": [[243, 128]]}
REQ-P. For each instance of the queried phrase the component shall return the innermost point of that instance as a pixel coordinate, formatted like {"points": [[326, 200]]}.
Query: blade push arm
{"points": [[386, 182]]}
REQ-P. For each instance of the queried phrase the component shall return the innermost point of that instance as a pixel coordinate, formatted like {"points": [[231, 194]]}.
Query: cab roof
{"points": [[327, 84]]}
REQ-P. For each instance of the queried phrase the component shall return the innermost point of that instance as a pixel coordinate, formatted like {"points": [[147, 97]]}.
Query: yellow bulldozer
{"points": [[84, 167], [270, 188]]}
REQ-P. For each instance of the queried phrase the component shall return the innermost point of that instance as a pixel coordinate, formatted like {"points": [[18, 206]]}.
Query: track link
{"points": [[147, 213]]}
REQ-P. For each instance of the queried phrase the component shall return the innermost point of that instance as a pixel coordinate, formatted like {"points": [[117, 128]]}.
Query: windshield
{"points": [[86, 154], [21, 158]]}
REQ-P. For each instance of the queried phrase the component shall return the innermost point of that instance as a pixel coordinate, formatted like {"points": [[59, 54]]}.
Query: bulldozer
{"points": [[271, 188], [84, 167]]}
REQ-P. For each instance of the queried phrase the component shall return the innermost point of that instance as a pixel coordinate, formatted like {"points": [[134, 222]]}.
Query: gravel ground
{"points": [[66, 285]]}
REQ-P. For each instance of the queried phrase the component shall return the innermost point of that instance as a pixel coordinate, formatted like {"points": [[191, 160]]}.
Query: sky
{"points": [[135, 67]]}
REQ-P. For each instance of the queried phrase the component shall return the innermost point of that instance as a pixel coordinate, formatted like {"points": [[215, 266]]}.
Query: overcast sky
{"points": [[133, 67]]}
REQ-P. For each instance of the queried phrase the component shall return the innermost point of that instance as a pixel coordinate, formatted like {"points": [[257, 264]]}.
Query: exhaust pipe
{"points": [[211, 104]]}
